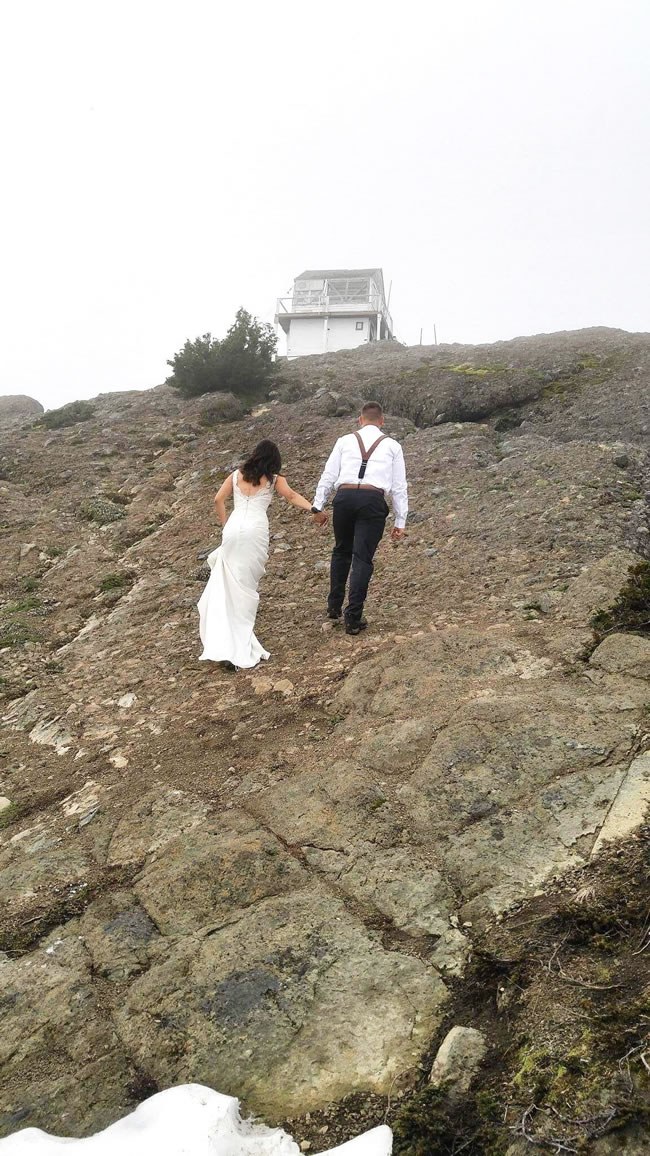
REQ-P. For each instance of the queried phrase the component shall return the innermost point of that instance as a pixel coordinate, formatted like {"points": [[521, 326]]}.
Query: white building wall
{"points": [[317, 335], [342, 332], [306, 335]]}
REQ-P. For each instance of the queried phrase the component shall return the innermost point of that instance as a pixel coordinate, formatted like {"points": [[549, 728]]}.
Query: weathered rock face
{"points": [[588, 383], [17, 407], [272, 882]]}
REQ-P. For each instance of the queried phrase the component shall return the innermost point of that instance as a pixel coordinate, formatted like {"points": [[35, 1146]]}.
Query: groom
{"points": [[364, 468]]}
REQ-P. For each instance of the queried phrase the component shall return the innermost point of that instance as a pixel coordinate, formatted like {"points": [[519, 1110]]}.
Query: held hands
{"points": [[320, 518], [397, 534]]}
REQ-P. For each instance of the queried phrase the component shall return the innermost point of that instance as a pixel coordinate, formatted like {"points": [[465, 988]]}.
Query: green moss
{"points": [[53, 551], [533, 1074], [587, 370], [470, 370], [423, 1126], [560, 387], [489, 1106]]}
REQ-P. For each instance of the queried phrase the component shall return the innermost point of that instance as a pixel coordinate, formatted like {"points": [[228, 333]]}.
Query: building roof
{"points": [[314, 274]]}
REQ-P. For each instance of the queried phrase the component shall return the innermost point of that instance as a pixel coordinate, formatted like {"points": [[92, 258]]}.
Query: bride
{"points": [[228, 605]]}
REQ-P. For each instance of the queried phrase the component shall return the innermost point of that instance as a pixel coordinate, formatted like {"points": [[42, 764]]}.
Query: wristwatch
{"points": [[315, 510]]}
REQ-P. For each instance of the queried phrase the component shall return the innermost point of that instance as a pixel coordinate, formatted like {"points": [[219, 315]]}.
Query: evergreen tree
{"points": [[241, 363]]}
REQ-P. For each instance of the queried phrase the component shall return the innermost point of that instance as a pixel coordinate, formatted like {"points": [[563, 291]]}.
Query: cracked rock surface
{"points": [[269, 882]]}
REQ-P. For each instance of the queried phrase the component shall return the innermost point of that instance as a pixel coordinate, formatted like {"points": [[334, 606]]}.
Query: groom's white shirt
{"points": [[385, 469]]}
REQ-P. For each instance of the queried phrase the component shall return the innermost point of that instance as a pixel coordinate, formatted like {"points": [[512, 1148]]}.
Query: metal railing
{"points": [[313, 301]]}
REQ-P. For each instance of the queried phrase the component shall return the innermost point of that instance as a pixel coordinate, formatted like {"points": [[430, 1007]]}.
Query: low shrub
{"points": [[630, 613], [70, 414], [16, 633], [101, 510], [117, 581]]}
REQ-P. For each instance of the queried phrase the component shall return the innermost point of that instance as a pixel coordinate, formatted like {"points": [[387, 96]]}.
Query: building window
{"points": [[359, 325]]}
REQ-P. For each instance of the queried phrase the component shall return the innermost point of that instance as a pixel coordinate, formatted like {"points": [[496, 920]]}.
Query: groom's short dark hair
{"points": [[372, 411]]}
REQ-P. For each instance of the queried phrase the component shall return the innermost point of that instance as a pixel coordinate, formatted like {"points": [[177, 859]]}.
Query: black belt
{"points": [[360, 486]]}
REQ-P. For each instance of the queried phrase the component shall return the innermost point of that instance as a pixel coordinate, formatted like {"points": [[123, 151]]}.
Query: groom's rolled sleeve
{"points": [[329, 477], [399, 491]]}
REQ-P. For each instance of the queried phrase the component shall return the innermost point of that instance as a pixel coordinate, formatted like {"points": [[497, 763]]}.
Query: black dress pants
{"points": [[358, 517]]}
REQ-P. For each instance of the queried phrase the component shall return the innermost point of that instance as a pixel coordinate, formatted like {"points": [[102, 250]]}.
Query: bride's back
{"points": [[245, 492]]}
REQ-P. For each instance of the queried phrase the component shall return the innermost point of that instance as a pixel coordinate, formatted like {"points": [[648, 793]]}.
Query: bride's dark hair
{"points": [[265, 461]]}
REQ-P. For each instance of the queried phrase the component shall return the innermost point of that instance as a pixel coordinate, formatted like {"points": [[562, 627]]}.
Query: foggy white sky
{"points": [[165, 161]]}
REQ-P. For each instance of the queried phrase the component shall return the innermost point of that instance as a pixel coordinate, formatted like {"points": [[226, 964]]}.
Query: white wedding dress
{"points": [[228, 605]]}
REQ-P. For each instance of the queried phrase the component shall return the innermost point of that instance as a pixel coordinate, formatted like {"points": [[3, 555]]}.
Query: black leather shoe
{"points": [[334, 615]]}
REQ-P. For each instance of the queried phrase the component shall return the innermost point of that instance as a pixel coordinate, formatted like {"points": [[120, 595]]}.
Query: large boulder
{"points": [[17, 407]]}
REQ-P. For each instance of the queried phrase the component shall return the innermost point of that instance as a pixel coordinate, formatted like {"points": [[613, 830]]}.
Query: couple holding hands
{"points": [[365, 467]]}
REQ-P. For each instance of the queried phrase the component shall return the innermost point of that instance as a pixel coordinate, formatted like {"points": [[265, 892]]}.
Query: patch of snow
{"points": [[189, 1120]]}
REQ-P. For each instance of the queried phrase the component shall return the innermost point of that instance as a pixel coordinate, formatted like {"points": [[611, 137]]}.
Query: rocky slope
{"points": [[284, 883]]}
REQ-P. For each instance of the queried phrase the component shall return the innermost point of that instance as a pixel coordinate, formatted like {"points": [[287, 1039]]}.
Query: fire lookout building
{"points": [[334, 309]]}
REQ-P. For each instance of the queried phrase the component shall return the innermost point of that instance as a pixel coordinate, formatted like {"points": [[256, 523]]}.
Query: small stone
{"points": [[26, 549], [262, 686], [127, 700], [284, 686], [622, 461], [459, 1056], [4, 803]]}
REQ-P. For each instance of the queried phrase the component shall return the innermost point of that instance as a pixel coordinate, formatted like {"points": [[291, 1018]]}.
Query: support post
{"points": [[325, 320], [379, 327]]}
